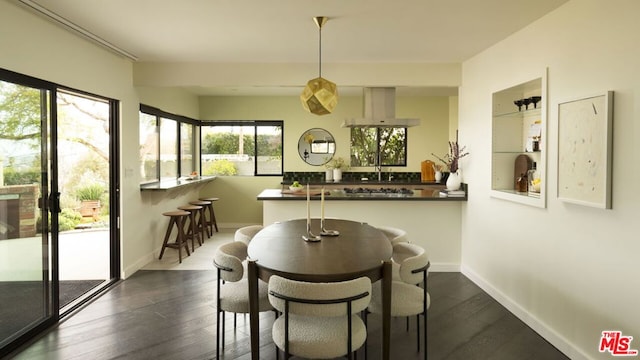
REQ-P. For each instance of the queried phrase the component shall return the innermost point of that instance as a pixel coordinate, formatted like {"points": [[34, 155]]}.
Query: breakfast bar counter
{"points": [[361, 194], [431, 220]]}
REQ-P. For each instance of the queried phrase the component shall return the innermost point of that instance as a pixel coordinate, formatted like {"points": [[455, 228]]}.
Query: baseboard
{"points": [[536, 324], [139, 264], [444, 267]]}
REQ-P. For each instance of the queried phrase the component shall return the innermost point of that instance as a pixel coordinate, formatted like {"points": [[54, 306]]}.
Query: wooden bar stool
{"points": [[212, 215], [177, 218], [193, 232], [202, 224]]}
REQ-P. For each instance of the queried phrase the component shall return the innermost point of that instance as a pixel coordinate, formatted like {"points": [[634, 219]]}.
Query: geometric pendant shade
{"points": [[320, 96]]}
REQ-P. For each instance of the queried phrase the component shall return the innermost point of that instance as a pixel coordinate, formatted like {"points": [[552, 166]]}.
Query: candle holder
{"points": [[310, 237], [325, 232]]}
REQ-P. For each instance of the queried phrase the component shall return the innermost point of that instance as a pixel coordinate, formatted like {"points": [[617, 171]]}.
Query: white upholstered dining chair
{"points": [[232, 289], [246, 233], [319, 320], [408, 298]]}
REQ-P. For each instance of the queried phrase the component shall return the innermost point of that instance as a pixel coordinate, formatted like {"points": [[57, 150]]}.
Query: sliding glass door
{"points": [[59, 243], [26, 292]]}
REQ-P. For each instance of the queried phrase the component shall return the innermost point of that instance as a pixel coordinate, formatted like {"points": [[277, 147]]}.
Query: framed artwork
{"points": [[584, 150]]}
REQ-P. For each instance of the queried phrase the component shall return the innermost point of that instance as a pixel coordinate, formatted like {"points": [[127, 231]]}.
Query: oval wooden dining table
{"points": [[359, 250]]}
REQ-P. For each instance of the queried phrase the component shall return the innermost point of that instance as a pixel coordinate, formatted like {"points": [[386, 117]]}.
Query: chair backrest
{"points": [[319, 299], [228, 259], [413, 260], [395, 235], [246, 233]]}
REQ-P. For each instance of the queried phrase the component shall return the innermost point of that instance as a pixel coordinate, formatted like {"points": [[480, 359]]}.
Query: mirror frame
{"points": [[311, 144]]}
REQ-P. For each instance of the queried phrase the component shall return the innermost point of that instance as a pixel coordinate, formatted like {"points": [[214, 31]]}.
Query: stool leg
{"points": [[213, 218], [182, 238], [166, 237], [202, 224]]}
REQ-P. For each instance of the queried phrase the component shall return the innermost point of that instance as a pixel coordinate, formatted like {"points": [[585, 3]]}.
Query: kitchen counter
{"points": [[181, 182], [367, 191], [332, 195], [430, 220]]}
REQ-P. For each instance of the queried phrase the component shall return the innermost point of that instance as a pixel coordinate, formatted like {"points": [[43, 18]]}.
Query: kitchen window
{"points": [[167, 143], [378, 146], [241, 148]]}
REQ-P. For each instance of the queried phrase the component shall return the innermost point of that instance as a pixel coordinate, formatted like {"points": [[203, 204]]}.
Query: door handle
{"points": [[54, 202]]}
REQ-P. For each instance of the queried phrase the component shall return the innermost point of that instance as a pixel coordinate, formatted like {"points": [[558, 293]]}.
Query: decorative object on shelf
{"points": [[535, 100], [453, 181], [455, 154], [320, 96], [519, 104], [584, 150], [438, 176]]}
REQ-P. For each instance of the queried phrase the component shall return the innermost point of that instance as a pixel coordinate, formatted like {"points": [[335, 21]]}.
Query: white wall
{"points": [[35, 47], [570, 271]]}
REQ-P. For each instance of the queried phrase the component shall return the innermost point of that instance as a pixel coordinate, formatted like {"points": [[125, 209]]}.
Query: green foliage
{"points": [[90, 192], [228, 143], [220, 167], [390, 143], [68, 219], [20, 109], [13, 177]]}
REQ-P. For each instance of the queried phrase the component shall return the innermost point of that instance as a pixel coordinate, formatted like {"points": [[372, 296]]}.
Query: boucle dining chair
{"points": [[246, 233], [232, 289], [407, 297], [395, 236], [320, 319]]}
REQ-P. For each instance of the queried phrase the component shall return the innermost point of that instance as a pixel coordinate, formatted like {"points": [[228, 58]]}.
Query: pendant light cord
{"points": [[320, 51]]}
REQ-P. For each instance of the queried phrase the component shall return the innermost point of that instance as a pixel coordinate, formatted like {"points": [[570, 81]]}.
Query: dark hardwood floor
{"points": [[171, 315]]}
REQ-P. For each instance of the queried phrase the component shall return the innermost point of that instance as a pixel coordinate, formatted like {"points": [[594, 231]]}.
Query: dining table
{"points": [[354, 249]]}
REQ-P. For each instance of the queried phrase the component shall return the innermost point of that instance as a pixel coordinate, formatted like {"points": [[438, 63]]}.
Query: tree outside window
{"points": [[378, 146]]}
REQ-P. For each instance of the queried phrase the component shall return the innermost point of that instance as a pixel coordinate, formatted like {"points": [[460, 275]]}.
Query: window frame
{"points": [[180, 120], [378, 146], [256, 124]]}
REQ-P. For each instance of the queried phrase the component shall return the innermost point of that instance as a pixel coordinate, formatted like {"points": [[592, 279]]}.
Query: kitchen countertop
{"points": [[424, 194]]}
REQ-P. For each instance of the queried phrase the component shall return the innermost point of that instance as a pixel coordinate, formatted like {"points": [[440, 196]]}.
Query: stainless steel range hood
{"points": [[380, 110]]}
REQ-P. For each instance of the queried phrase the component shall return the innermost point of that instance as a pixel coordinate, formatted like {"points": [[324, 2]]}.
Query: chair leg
{"points": [[418, 330], [217, 334], [223, 327]]}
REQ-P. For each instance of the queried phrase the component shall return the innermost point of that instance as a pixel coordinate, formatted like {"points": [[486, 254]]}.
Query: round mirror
{"points": [[316, 146]]}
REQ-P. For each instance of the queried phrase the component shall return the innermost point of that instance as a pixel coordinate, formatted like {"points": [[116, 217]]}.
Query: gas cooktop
{"points": [[378, 191]]}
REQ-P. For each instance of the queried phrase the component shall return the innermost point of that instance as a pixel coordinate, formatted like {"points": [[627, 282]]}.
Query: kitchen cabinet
{"points": [[518, 141]]}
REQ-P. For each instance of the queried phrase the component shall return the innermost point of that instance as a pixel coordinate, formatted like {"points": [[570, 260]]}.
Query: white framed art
{"points": [[584, 150]]}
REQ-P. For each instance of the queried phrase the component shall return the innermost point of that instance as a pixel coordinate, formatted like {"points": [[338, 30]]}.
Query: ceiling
{"points": [[282, 31]]}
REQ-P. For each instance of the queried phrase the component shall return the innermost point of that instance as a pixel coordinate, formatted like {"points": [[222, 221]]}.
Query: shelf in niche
{"points": [[529, 112], [511, 134]]}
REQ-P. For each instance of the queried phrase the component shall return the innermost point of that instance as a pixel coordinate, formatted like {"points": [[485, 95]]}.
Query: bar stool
{"points": [[193, 231], [212, 215], [203, 224], [177, 218]]}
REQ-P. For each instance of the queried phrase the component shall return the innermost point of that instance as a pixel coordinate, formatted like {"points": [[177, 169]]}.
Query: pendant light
{"points": [[320, 96]]}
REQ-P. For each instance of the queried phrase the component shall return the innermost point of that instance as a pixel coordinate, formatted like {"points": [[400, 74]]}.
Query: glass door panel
{"points": [[26, 295], [83, 138]]}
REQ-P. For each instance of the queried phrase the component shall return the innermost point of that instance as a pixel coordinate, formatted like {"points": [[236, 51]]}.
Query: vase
{"points": [[328, 175], [438, 176], [337, 175], [453, 181]]}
